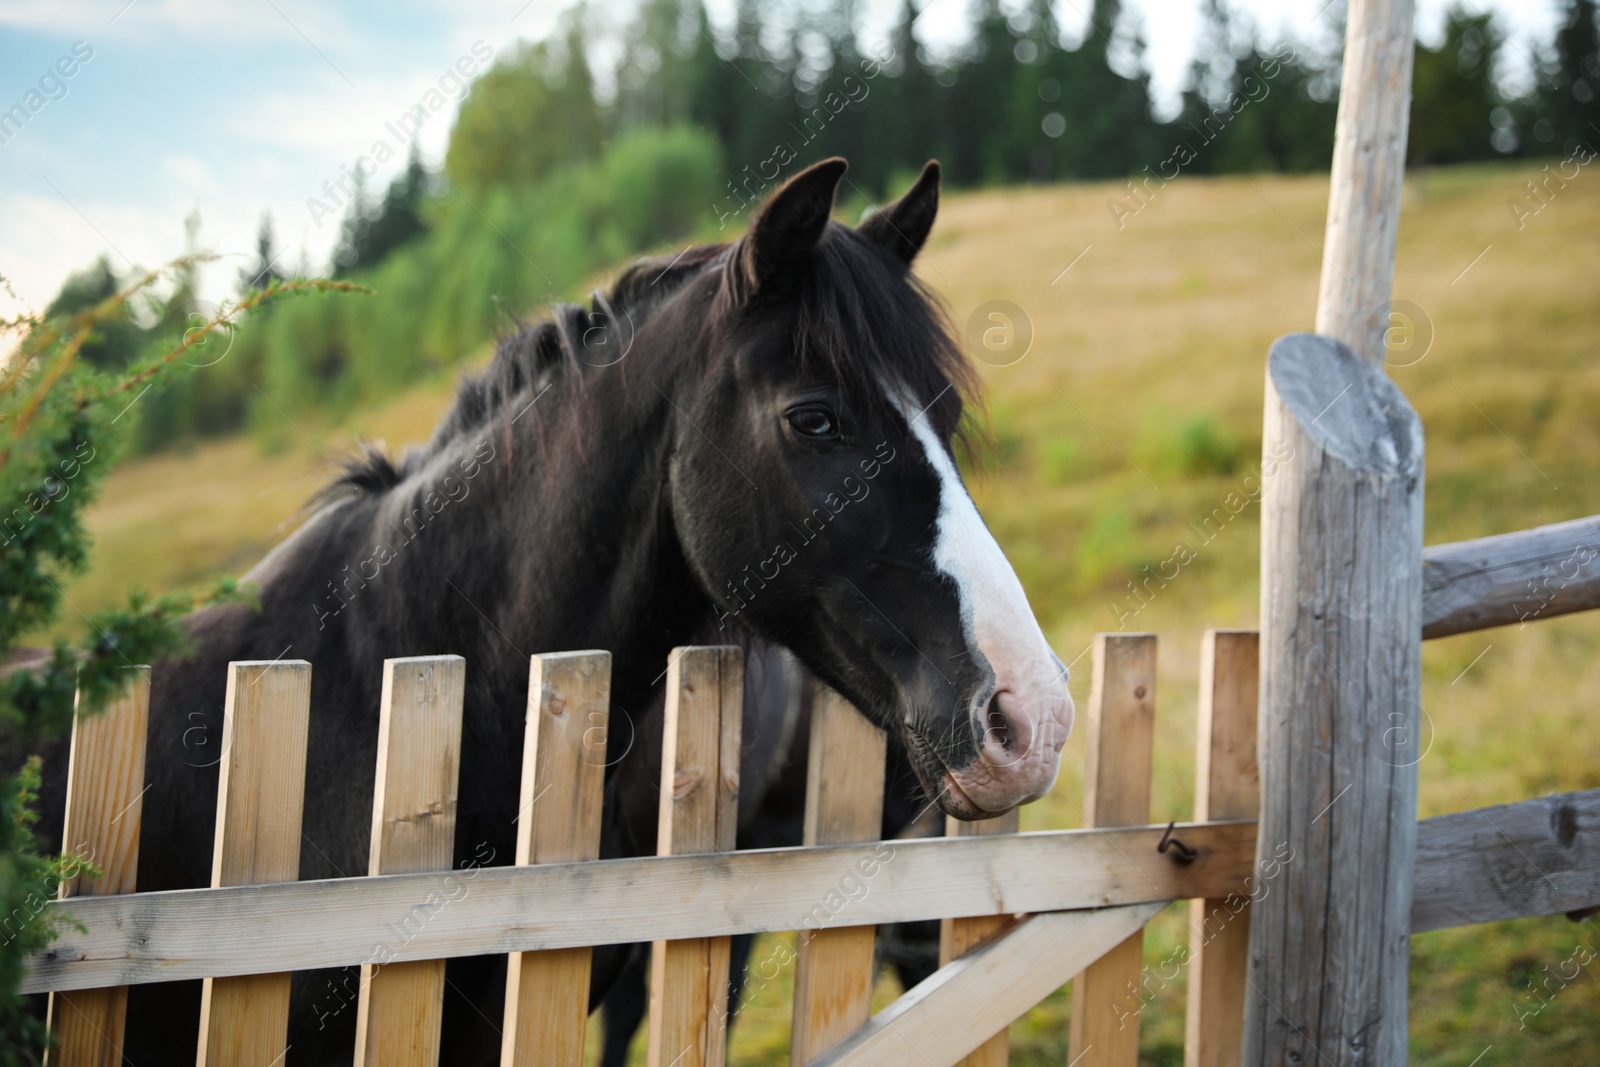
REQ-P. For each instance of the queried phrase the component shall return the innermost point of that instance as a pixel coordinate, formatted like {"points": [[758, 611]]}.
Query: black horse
{"points": [[749, 436]]}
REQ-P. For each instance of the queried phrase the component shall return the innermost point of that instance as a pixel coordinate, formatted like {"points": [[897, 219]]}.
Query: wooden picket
{"points": [[1226, 786], [699, 813], [400, 1006], [105, 793], [1107, 996], [558, 820], [844, 805], [244, 1021], [959, 936]]}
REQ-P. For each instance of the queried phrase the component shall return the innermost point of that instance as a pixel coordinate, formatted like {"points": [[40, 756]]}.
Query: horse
{"points": [[753, 437]]}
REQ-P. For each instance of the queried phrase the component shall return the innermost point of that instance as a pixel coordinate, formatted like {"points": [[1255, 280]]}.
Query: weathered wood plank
{"points": [[244, 1021], [179, 934], [844, 805], [1226, 786], [1121, 733], [401, 1005], [1514, 577], [699, 813], [1341, 670], [1536, 857], [957, 936], [183, 934], [945, 1018], [558, 820], [105, 793]]}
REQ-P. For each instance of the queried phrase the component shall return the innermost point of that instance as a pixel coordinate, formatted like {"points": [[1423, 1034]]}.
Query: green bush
{"points": [[489, 257], [59, 436], [1203, 448]]}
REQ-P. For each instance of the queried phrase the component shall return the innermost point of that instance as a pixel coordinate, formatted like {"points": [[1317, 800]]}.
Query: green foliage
{"points": [[1108, 549], [1060, 460], [27, 881], [1453, 96], [1565, 109], [1203, 447], [529, 115], [59, 436], [486, 253], [372, 231], [116, 338]]}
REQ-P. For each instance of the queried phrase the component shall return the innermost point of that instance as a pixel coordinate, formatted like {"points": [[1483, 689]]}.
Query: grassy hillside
{"points": [[1133, 416]]}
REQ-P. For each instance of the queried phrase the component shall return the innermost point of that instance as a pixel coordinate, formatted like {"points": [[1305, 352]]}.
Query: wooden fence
{"points": [[1024, 912]]}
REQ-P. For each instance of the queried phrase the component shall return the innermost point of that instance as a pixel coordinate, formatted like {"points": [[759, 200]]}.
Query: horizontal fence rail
{"points": [[1515, 577], [1536, 857], [178, 934]]}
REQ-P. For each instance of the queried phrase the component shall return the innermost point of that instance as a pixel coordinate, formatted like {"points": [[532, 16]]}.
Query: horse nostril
{"points": [[995, 723]]}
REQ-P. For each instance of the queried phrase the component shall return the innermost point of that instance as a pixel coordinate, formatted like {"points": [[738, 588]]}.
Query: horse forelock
{"points": [[881, 333]]}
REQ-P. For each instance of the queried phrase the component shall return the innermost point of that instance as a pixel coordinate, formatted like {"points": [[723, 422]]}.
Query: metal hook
{"points": [[1181, 853]]}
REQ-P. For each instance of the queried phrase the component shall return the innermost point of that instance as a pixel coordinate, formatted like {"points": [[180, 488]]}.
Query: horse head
{"points": [[817, 500]]}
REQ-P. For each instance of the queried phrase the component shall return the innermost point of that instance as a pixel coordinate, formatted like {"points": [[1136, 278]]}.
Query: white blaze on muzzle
{"points": [[1019, 762]]}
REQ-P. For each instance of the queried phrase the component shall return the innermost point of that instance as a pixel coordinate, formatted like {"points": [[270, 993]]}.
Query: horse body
{"points": [[768, 454]]}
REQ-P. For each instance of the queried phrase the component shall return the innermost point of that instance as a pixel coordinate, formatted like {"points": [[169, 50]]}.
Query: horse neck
{"points": [[560, 539]]}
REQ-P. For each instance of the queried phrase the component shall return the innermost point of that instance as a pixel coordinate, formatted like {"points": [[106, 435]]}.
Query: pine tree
{"points": [[905, 102], [116, 338], [264, 271], [1568, 92], [353, 229], [1453, 94]]}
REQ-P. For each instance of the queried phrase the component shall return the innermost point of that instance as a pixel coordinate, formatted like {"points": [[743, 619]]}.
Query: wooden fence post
{"points": [[1369, 168], [1341, 604], [1226, 786], [959, 936], [1107, 997], [244, 1021], [844, 805], [699, 813], [558, 820], [401, 1005], [105, 794]]}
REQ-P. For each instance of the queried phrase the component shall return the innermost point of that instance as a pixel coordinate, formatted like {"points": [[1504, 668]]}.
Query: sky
{"points": [[230, 109]]}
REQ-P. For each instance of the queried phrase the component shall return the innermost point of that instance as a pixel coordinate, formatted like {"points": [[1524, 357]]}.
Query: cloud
{"points": [[193, 173], [46, 239], [190, 18]]}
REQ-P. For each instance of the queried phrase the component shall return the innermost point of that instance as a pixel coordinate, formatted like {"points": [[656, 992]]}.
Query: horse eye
{"points": [[814, 422]]}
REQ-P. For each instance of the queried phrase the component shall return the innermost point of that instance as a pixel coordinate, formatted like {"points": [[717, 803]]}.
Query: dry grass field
{"points": [[1133, 415]]}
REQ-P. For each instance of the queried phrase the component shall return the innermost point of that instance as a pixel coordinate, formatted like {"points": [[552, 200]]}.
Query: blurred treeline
{"points": [[560, 165]]}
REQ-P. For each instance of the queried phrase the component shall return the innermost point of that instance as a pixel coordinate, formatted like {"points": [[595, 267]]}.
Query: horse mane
{"points": [[864, 320], [524, 362]]}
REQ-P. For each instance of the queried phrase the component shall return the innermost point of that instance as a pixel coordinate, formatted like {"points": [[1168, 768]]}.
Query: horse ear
{"points": [[786, 229], [902, 227]]}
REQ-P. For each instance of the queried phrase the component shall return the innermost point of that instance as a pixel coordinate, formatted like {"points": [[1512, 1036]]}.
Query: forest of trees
{"points": [[556, 168], [1018, 102]]}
